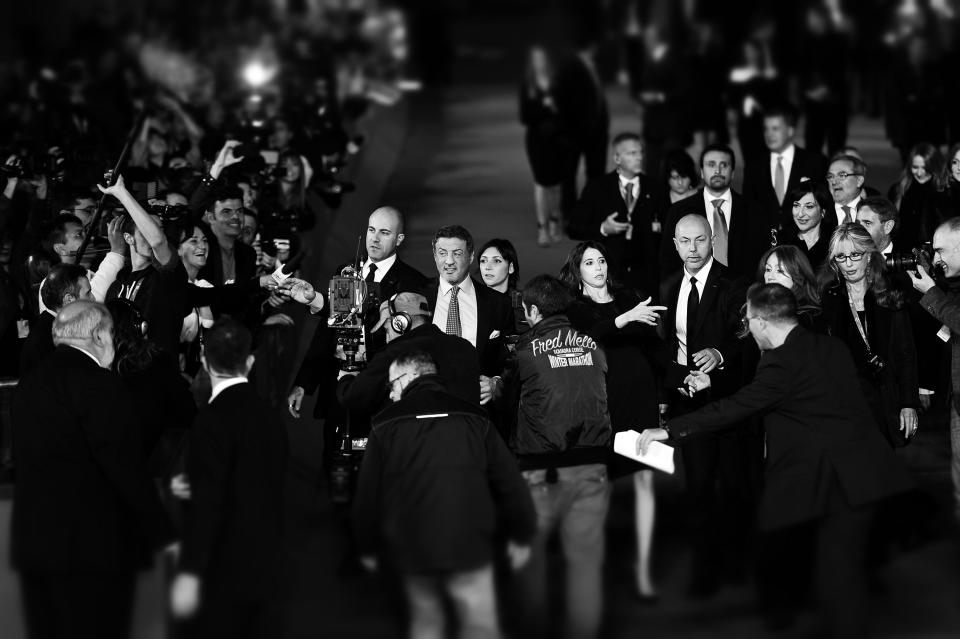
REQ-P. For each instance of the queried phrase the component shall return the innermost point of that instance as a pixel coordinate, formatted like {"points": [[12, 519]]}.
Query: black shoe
{"points": [[647, 600]]}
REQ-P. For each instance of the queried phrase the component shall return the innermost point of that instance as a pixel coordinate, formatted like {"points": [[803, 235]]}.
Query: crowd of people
{"points": [[774, 336]]}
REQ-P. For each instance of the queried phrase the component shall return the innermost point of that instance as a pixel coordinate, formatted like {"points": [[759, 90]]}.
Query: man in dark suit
{"points": [[619, 210], [386, 275], [700, 331], [766, 184], [65, 284], [826, 462], [405, 318], [462, 307], [85, 514], [232, 542], [740, 234]]}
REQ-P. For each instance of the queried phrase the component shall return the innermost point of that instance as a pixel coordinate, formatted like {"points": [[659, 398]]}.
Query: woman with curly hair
{"points": [[861, 308]]}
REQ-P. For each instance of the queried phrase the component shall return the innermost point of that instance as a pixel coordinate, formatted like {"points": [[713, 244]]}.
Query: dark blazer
{"points": [[494, 313], [748, 235], [244, 258], [84, 501], [634, 259], [718, 322], [819, 431], [758, 184], [39, 343], [891, 338], [320, 365], [236, 463], [456, 362]]}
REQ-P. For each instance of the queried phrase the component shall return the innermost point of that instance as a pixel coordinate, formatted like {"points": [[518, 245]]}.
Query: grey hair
{"points": [[80, 321]]}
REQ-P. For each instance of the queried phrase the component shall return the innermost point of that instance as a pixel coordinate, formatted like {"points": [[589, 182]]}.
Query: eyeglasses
{"points": [[396, 379], [840, 177], [853, 257], [745, 321]]}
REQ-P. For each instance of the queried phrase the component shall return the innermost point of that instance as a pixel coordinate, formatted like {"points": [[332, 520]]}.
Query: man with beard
{"points": [[740, 234]]}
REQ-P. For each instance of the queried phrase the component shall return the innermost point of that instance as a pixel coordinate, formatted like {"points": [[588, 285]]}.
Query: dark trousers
{"points": [[826, 122], [64, 605], [721, 504], [834, 547]]}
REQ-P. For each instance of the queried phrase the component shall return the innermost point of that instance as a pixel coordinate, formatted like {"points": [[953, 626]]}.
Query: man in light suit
{"points": [[741, 235], [460, 306], [766, 184], [827, 464]]}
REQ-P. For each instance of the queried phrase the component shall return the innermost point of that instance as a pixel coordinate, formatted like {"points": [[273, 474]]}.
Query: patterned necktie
{"points": [[846, 214], [629, 197], [453, 313], [371, 274], [719, 233], [779, 179], [693, 305]]}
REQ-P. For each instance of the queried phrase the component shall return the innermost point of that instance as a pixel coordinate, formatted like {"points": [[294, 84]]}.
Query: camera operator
{"points": [[405, 318], [383, 272], [942, 301]]}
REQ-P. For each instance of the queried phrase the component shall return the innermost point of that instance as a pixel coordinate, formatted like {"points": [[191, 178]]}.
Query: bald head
{"points": [[384, 233], [87, 325], [946, 247], [693, 240]]}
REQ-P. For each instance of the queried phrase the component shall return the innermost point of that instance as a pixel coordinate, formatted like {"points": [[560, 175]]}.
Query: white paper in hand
{"points": [[659, 455]]}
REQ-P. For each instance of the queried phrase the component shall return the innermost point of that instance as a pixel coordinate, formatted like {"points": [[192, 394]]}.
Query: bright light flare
{"points": [[257, 73]]}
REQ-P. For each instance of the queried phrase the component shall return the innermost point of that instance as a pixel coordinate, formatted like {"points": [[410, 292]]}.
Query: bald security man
{"points": [[700, 330]]}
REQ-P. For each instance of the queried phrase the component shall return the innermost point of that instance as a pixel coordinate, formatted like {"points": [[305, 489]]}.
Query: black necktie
{"points": [[693, 304], [369, 279]]}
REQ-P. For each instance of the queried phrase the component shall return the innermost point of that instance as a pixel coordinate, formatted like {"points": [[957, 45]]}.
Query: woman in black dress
{"points": [[625, 326], [544, 144]]}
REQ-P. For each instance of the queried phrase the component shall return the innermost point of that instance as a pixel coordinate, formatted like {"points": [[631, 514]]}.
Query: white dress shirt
{"points": [[681, 319], [224, 384], [726, 207], [853, 210], [787, 155], [383, 266], [467, 302], [635, 181]]}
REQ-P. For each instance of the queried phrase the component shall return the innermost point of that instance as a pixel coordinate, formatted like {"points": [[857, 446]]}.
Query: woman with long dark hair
{"points": [[916, 193], [788, 265], [290, 203], [625, 326], [861, 308], [813, 221], [500, 270]]}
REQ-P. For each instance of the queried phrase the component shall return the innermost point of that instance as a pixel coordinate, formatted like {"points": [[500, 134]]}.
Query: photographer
{"points": [[943, 303]]}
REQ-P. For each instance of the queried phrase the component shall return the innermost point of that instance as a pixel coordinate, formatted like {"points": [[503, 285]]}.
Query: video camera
{"points": [[348, 298]]}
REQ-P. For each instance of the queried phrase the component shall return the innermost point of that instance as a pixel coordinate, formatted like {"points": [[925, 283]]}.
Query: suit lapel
{"points": [[483, 318], [671, 291]]}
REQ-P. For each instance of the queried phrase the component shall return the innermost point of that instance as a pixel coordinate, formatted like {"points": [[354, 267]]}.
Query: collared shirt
{"points": [[853, 210], [887, 251], [787, 155], [726, 207], [681, 319], [466, 301], [224, 384], [635, 182], [383, 266], [88, 354]]}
